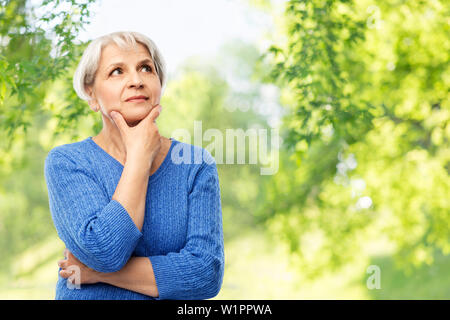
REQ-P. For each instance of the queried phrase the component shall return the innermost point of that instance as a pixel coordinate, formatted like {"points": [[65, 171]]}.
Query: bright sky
{"points": [[180, 28]]}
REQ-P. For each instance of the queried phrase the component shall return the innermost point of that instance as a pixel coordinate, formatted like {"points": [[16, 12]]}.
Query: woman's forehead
{"points": [[112, 53]]}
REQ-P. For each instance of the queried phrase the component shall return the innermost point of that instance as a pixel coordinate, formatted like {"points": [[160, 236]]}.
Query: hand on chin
{"points": [[133, 123], [135, 120]]}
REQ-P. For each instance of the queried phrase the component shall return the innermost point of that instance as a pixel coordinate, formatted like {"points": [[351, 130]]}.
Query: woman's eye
{"points": [[116, 71], [149, 69]]}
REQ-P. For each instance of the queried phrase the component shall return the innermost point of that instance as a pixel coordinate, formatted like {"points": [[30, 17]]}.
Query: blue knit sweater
{"points": [[182, 232]]}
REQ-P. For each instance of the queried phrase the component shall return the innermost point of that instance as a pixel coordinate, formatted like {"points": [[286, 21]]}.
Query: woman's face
{"points": [[121, 75]]}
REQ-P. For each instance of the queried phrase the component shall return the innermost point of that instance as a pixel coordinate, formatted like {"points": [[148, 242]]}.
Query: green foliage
{"points": [[367, 88], [317, 63], [426, 282], [34, 51]]}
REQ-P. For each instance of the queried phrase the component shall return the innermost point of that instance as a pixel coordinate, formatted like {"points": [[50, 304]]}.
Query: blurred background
{"points": [[359, 90]]}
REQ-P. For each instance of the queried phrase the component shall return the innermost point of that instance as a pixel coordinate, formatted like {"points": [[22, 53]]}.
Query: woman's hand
{"points": [[142, 141], [87, 275]]}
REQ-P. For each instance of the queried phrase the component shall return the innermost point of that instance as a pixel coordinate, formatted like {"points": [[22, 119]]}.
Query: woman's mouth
{"points": [[137, 99]]}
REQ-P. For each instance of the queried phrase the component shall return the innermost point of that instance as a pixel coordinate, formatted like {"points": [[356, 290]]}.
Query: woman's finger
{"points": [[155, 113], [62, 263], [119, 121], [65, 273]]}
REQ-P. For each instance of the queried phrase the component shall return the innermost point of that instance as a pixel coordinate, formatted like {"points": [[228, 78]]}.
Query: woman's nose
{"points": [[135, 81]]}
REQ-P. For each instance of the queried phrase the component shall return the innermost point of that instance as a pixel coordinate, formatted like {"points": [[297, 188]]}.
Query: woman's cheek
{"points": [[156, 92], [112, 100]]}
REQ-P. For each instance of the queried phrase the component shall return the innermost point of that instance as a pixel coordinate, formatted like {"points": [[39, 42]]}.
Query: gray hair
{"points": [[87, 67]]}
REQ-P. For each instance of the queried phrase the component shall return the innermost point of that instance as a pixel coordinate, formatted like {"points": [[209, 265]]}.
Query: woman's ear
{"points": [[93, 103]]}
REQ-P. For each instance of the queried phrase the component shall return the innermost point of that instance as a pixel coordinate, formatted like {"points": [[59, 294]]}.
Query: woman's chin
{"points": [[135, 119], [132, 122]]}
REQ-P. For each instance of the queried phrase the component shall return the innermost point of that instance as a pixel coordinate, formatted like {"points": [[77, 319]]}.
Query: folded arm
{"points": [[137, 275], [98, 230]]}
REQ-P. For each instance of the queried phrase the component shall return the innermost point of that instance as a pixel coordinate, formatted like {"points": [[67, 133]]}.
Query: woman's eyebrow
{"points": [[115, 64], [121, 64], [149, 61]]}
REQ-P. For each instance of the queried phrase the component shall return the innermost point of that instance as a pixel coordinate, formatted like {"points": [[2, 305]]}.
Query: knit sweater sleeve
{"points": [[196, 272], [95, 228]]}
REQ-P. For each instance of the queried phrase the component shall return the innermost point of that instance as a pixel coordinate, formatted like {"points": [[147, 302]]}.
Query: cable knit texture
{"points": [[182, 232]]}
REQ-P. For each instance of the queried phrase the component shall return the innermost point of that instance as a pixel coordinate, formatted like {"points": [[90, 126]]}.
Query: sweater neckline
{"points": [[161, 169]]}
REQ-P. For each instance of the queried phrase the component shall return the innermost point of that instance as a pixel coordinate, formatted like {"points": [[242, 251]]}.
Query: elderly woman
{"points": [[136, 224]]}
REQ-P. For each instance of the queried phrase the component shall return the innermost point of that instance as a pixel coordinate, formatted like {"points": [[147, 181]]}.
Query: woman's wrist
{"points": [[103, 277], [138, 162]]}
